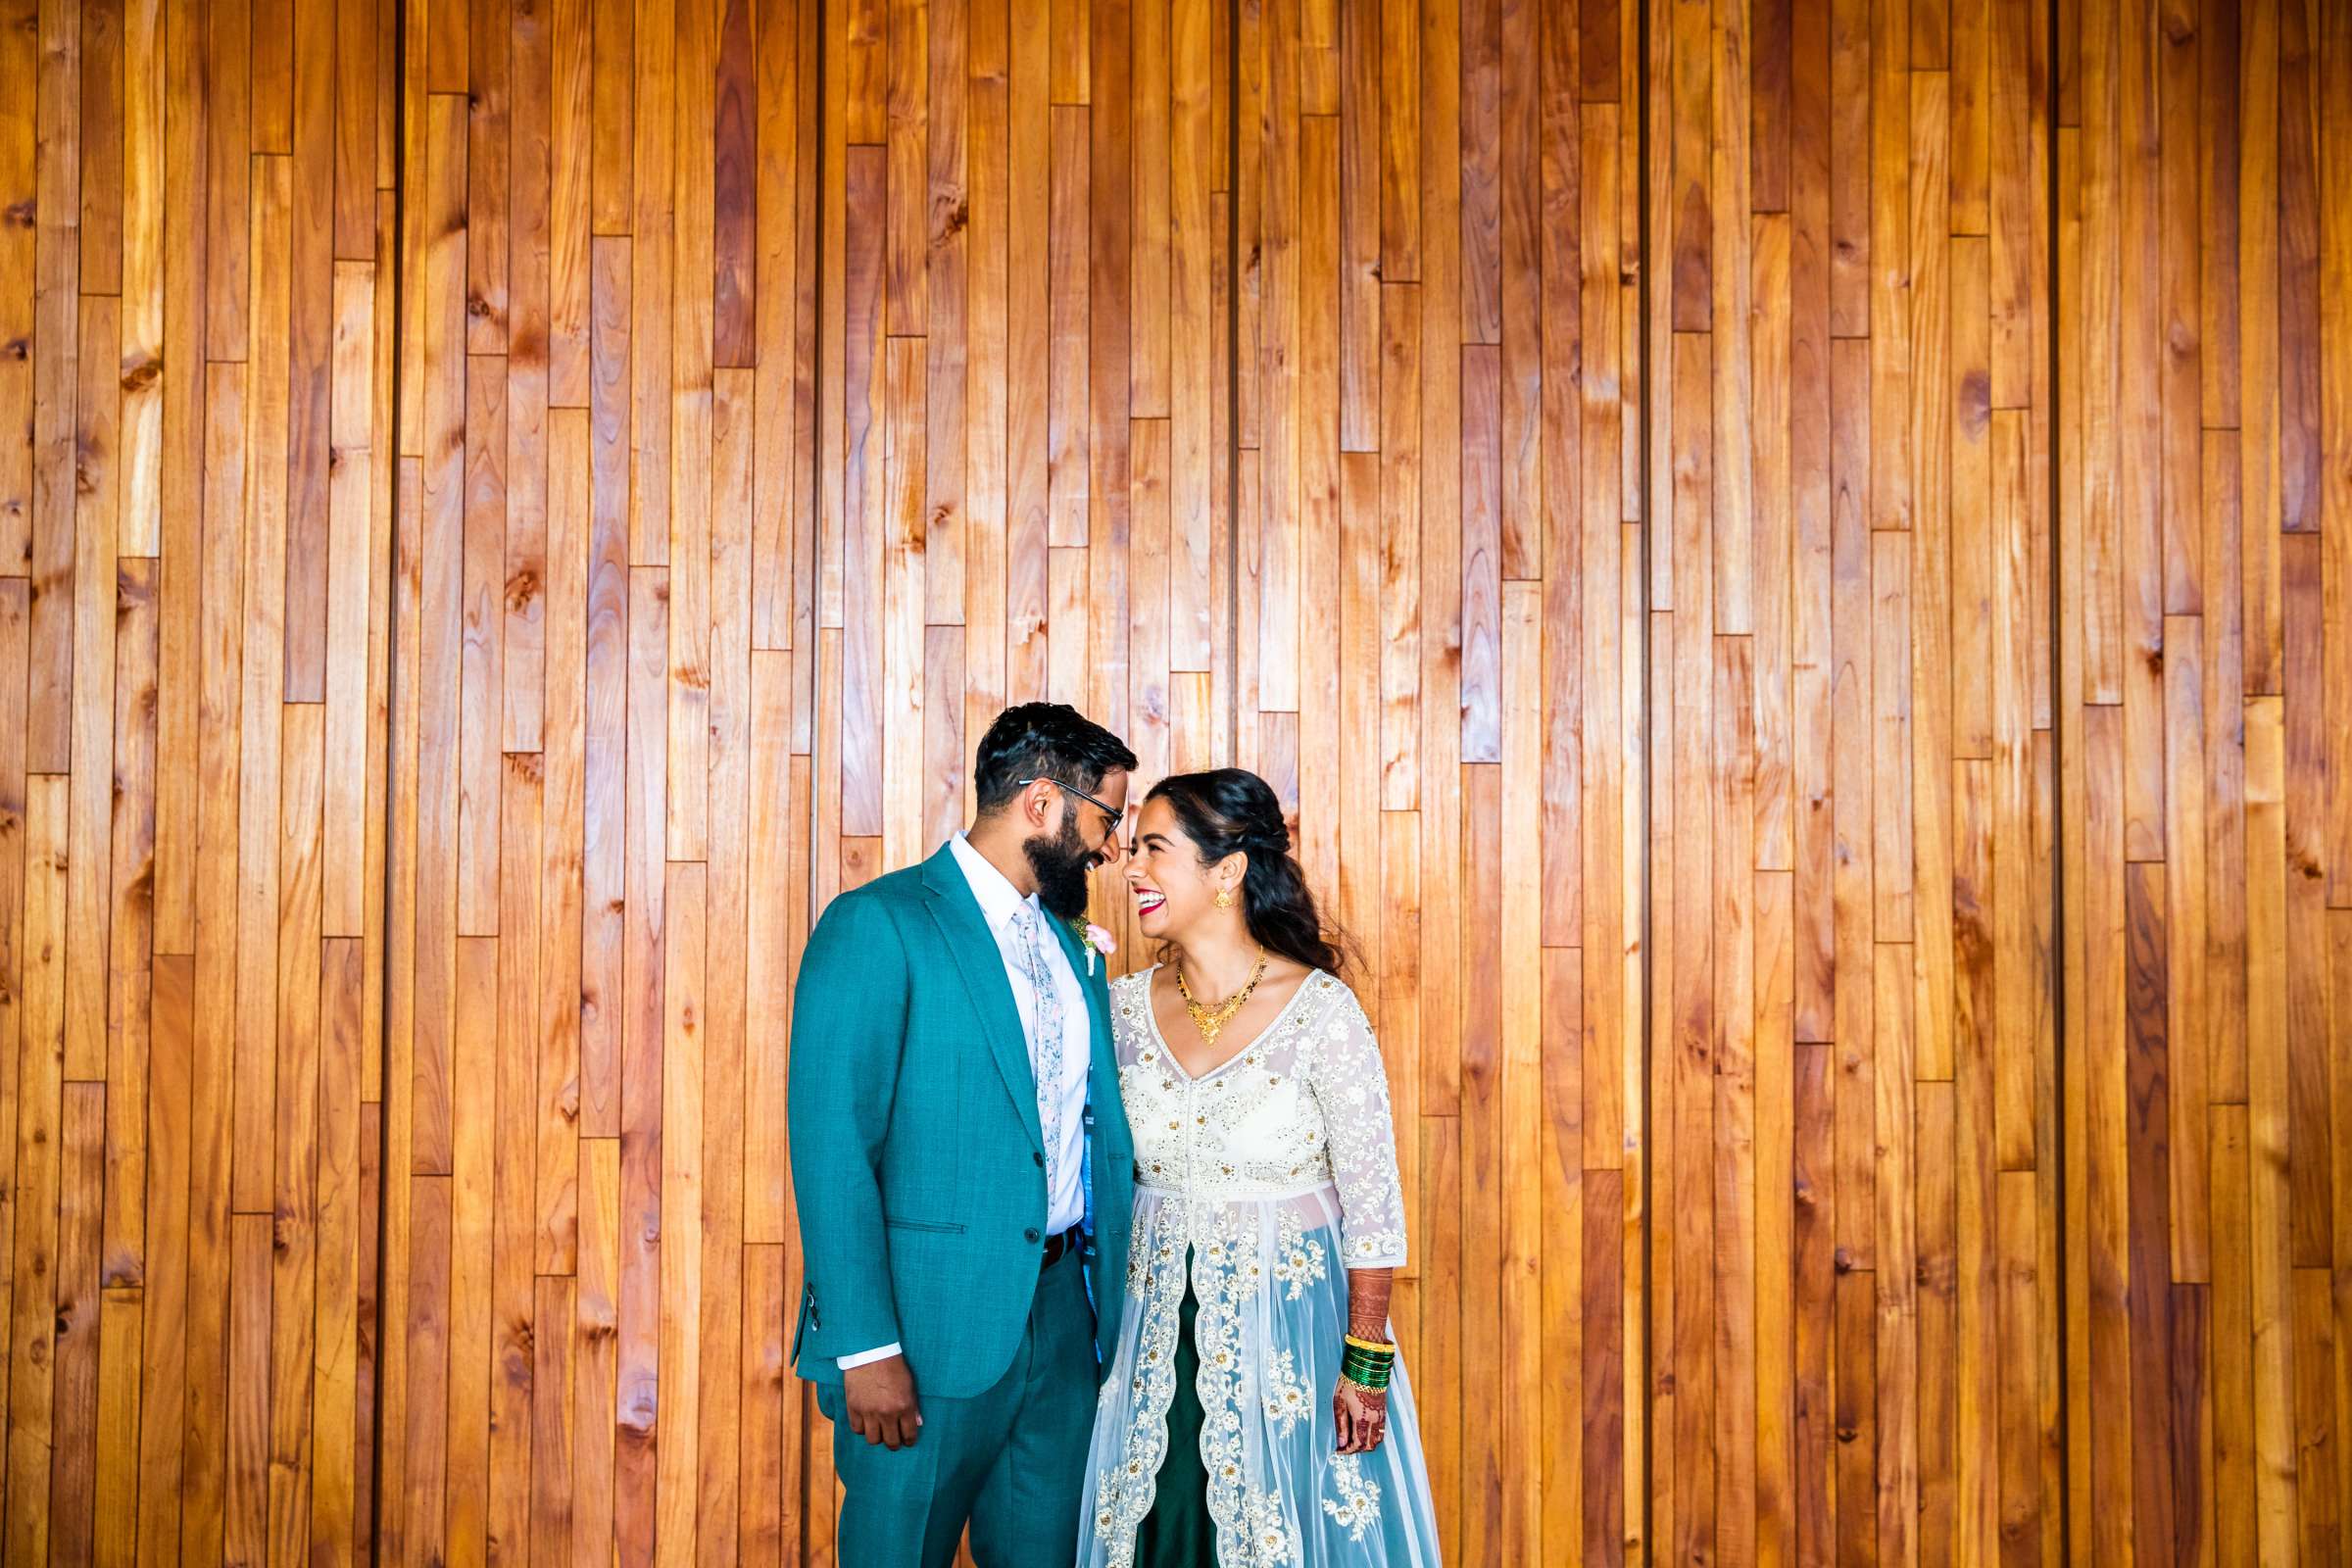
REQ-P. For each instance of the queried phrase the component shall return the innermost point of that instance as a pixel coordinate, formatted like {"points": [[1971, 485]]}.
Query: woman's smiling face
{"points": [[1172, 888]]}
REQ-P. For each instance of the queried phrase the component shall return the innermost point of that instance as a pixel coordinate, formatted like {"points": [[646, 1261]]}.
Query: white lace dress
{"points": [[1275, 1173]]}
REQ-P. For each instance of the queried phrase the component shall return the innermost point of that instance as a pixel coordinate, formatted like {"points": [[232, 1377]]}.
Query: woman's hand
{"points": [[1362, 1413], [1362, 1416]]}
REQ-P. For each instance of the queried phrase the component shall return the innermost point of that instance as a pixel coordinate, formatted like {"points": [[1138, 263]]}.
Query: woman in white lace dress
{"points": [[1238, 1428]]}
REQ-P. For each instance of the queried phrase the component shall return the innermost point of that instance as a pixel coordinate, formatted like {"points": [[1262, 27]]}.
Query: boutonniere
{"points": [[1094, 940]]}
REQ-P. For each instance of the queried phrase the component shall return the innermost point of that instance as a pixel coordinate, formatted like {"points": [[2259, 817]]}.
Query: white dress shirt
{"points": [[999, 904]]}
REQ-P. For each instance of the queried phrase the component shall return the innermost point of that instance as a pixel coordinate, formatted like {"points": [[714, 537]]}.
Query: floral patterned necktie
{"points": [[1045, 1045]]}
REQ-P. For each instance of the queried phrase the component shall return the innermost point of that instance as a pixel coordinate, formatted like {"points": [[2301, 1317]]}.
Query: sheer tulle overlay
{"points": [[1270, 1176]]}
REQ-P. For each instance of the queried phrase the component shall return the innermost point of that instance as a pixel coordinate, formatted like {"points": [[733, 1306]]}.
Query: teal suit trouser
{"points": [[1011, 1461]]}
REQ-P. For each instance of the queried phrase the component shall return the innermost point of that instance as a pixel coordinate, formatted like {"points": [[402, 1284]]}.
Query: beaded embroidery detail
{"points": [[1358, 1505], [1297, 1256], [1285, 1397]]}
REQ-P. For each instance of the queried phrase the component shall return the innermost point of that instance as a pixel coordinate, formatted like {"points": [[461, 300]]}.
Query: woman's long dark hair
{"points": [[1229, 810]]}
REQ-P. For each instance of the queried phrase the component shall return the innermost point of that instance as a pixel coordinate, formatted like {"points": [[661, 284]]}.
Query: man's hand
{"points": [[882, 1407]]}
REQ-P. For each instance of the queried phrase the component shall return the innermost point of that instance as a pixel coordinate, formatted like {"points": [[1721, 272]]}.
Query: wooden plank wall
{"points": [[783, 388], [691, 655], [600, 763], [1437, 663], [196, 265], [1854, 1161], [2204, 286]]}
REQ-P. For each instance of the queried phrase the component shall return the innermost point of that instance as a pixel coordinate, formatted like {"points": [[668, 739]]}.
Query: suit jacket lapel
{"points": [[983, 969]]}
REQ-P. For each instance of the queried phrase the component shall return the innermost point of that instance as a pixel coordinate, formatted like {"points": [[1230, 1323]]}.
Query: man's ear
{"points": [[1036, 804]]}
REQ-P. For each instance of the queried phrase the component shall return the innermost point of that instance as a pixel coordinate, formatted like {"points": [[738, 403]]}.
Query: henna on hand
{"points": [[1368, 1301], [1361, 1416]]}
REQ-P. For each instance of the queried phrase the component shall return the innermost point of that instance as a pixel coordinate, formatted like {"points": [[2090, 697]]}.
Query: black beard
{"points": [[1064, 864]]}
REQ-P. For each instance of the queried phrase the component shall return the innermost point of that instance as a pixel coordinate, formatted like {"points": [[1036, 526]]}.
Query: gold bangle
{"points": [[1371, 1344]]}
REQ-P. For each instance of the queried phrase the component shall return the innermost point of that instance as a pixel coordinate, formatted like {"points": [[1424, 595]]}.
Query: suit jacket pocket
{"points": [[936, 1226]]}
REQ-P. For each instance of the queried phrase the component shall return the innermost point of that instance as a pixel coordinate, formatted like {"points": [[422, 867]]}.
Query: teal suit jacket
{"points": [[918, 1164]]}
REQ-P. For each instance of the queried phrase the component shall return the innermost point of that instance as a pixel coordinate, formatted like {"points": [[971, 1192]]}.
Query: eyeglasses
{"points": [[1113, 818]]}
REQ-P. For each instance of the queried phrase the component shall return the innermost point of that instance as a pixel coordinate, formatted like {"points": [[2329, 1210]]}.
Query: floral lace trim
{"points": [[1253, 1530], [1123, 1494]]}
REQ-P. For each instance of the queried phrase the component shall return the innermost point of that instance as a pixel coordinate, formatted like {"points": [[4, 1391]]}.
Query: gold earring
{"points": [[1225, 897]]}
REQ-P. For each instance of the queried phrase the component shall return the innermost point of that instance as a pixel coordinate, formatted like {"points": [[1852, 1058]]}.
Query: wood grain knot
{"points": [[1976, 402]]}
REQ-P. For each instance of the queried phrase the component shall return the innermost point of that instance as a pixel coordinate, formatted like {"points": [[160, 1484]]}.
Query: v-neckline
{"points": [[1151, 1016]]}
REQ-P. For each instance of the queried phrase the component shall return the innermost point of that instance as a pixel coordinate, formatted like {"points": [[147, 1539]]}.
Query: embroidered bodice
{"points": [[1304, 1108]]}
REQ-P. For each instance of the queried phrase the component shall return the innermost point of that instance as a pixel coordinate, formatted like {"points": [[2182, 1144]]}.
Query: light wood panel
{"points": [[2205, 190], [599, 781], [1852, 1051], [1439, 665], [196, 276]]}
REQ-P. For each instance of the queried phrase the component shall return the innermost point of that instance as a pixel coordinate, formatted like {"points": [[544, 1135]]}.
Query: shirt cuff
{"points": [[881, 1354]]}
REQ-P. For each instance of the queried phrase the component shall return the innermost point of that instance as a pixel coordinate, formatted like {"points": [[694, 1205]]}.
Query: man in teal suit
{"points": [[962, 1167]]}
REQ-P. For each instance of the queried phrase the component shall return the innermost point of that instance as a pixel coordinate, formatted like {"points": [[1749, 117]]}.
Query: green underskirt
{"points": [[1178, 1532]]}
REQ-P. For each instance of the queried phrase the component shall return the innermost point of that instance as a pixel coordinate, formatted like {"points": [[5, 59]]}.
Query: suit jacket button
{"points": [[1037, 1157], [1029, 1234]]}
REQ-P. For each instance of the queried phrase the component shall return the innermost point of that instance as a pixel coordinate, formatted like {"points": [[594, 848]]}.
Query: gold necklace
{"points": [[1211, 1017]]}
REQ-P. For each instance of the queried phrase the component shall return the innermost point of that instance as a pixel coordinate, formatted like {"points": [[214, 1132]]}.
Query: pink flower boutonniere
{"points": [[1094, 940]]}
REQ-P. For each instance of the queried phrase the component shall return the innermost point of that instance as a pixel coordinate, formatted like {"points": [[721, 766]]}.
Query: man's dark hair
{"points": [[1044, 739]]}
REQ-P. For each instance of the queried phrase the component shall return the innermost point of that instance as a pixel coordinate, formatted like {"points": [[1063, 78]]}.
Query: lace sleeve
{"points": [[1350, 1087]]}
